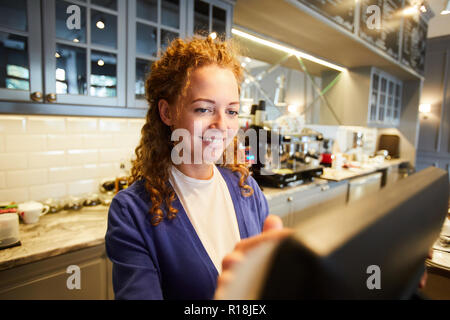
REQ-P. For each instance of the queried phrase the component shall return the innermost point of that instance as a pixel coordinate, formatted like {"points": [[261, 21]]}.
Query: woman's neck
{"points": [[197, 171]]}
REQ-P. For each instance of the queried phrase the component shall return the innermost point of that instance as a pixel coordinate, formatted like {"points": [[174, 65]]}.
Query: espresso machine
{"points": [[287, 160]]}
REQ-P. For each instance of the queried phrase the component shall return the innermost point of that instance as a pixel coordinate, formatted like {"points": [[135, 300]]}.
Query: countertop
{"points": [[344, 174], [55, 234], [66, 231]]}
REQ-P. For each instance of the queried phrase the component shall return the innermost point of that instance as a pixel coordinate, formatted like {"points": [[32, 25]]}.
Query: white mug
{"points": [[31, 211]]}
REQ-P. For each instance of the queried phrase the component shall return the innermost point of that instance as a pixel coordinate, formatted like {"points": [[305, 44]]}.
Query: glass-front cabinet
{"points": [[385, 99], [92, 52], [20, 51], [154, 23], [84, 52]]}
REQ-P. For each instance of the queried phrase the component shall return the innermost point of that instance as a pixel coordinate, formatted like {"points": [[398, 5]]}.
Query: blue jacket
{"points": [[169, 261]]}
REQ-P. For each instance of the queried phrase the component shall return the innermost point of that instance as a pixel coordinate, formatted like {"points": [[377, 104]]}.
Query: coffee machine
{"points": [[286, 160]]}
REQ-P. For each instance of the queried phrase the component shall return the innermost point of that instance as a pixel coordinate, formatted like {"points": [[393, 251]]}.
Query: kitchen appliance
{"points": [[391, 143], [292, 160], [327, 156], [9, 230]]}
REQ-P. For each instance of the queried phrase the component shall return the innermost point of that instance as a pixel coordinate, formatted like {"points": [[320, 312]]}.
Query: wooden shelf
{"points": [[302, 28]]}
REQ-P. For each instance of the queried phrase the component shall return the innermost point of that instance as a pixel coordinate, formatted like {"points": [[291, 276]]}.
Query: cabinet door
{"points": [[49, 278], [317, 200], [154, 23], [84, 52], [20, 51], [206, 16]]}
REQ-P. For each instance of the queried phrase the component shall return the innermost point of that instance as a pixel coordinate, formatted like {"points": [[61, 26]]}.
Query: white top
{"points": [[210, 209]]}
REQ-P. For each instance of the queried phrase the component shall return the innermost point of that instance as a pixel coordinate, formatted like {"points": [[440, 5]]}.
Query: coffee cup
{"points": [[31, 211]]}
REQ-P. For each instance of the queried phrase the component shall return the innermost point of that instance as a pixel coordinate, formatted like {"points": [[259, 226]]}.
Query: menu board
{"points": [[340, 11], [380, 24], [414, 42]]}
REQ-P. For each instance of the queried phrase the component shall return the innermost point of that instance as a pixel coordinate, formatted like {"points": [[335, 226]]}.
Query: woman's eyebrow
{"points": [[212, 101]]}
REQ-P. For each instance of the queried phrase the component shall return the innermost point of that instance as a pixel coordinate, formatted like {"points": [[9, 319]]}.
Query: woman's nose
{"points": [[220, 122]]}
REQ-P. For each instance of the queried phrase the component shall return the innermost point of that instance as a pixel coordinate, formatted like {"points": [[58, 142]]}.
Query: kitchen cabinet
{"points": [[289, 205], [47, 278], [362, 186], [385, 99], [57, 55]]}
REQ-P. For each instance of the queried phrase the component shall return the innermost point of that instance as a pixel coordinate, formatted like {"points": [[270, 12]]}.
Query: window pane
{"points": [[14, 67], [219, 21], [103, 74], [146, 40], [143, 68], [170, 13], [391, 88], [70, 26], [70, 66], [201, 17], [375, 82], [110, 4], [147, 9], [104, 29], [13, 14], [166, 38]]}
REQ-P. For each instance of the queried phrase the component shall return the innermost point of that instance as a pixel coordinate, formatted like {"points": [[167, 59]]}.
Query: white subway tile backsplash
{"points": [[12, 161], [24, 178], [47, 159], [12, 124], [111, 155], [81, 125], [76, 157], [2, 180], [52, 156], [83, 186], [98, 141], [113, 125], [46, 125], [64, 174], [23, 143], [17, 195], [45, 191], [64, 142], [2, 144], [108, 170]]}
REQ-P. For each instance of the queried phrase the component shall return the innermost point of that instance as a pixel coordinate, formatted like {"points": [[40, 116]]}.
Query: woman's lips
{"points": [[213, 141]]}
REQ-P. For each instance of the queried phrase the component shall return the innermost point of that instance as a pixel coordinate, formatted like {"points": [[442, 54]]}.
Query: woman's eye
{"points": [[233, 112], [201, 110]]}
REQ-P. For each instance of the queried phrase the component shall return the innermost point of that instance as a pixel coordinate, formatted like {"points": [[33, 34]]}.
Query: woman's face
{"points": [[210, 112]]}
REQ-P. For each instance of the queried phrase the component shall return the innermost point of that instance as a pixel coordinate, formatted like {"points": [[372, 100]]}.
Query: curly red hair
{"points": [[169, 79]]}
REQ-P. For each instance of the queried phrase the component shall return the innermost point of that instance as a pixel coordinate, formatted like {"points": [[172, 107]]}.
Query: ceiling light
{"points": [[294, 52], [76, 40], [213, 35], [101, 63], [100, 24], [446, 9], [57, 55]]}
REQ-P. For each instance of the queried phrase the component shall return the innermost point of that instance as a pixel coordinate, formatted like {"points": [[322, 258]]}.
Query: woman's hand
{"points": [[272, 231], [423, 280]]}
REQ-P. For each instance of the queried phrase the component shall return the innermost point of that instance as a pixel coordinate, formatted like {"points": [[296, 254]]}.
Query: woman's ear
{"points": [[164, 112]]}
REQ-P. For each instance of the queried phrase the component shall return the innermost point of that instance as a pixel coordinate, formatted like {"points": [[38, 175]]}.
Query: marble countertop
{"points": [[56, 234]]}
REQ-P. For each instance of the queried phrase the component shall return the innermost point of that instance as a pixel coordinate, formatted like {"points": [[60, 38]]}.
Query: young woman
{"points": [[170, 230]]}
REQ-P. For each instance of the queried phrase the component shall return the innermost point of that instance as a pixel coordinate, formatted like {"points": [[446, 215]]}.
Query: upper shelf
{"points": [[302, 28]]}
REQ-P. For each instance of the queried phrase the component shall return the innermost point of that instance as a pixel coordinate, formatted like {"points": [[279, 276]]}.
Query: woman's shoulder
{"points": [[235, 176]]}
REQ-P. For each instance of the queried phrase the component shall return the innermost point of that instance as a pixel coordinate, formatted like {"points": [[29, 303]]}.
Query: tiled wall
{"points": [[43, 157]]}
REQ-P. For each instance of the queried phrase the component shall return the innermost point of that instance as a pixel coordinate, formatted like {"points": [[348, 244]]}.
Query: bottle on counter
{"points": [[121, 179], [260, 114]]}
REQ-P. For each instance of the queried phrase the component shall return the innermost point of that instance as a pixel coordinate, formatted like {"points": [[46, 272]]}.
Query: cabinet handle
{"points": [[325, 188], [290, 199], [36, 96], [51, 97]]}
